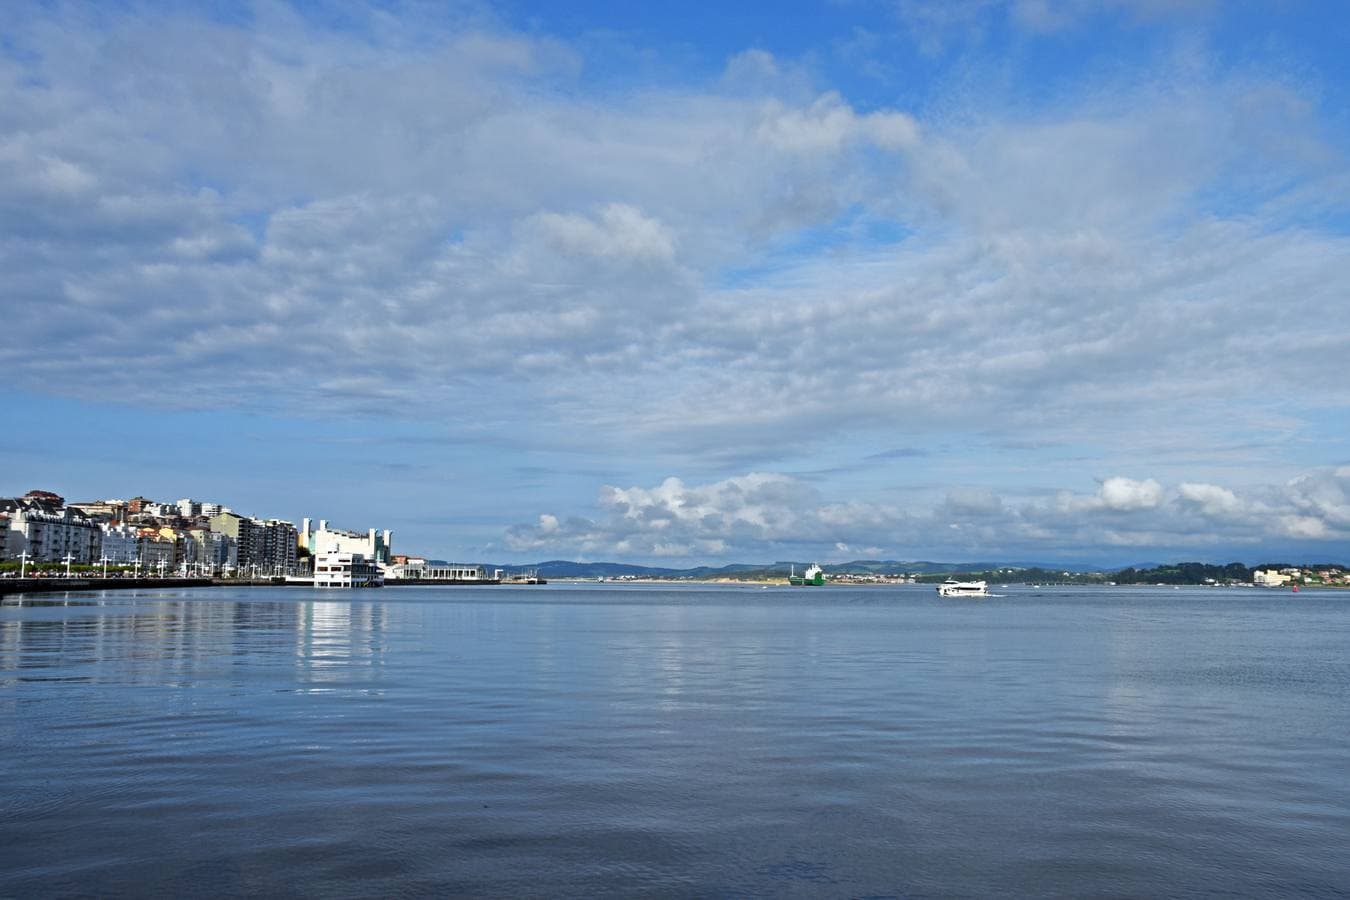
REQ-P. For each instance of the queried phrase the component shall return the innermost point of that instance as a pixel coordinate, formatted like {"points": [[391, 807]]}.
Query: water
{"points": [[691, 741]]}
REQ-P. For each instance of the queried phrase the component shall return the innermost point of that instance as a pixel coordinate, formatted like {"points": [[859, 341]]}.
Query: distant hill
{"points": [[561, 568], [928, 571]]}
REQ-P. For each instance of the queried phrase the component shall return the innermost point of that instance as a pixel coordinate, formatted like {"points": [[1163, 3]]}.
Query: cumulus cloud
{"points": [[1126, 494], [1210, 499], [763, 516]]}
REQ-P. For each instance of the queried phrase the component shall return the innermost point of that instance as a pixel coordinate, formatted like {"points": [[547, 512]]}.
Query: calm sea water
{"points": [[700, 741]]}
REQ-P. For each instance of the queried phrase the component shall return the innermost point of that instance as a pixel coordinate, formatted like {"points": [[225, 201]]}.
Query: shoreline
{"points": [[9, 586], [60, 585]]}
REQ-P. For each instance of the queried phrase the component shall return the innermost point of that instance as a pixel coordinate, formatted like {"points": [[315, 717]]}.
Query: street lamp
{"points": [[23, 564], [104, 559], [68, 559]]}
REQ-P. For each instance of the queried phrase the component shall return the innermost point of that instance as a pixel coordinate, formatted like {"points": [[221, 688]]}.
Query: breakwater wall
{"points": [[408, 582], [60, 585]]}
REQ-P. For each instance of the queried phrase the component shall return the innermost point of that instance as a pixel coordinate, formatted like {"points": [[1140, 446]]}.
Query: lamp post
{"points": [[104, 559], [23, 564], [68, 559]]}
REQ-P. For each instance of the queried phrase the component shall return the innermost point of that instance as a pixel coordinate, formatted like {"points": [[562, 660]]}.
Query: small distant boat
{"points": [[953, 588], [530, 576]]}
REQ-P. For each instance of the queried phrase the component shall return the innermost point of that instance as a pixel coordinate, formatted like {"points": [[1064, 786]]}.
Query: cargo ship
{"points": [[813, 576]]}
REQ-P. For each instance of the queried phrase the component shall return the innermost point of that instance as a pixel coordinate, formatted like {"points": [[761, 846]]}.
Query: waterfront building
{"points": [[244, 532], [1271, 577], [279, 547], [213, 552], [120, 543], [425, 571], [39, 525], [373, 545], [338, 569], [264, 548], [154, 550]]}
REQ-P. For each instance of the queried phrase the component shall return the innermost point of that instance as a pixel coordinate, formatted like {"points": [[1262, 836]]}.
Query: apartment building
{"points": [[40, 526]]}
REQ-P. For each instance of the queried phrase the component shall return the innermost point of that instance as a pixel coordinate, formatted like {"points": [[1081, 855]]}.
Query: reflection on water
{"points": [[178, 642], [336, 641], [688, 742]]}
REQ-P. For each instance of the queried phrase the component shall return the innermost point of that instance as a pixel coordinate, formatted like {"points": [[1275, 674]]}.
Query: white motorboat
{"points": [[953, 588]]}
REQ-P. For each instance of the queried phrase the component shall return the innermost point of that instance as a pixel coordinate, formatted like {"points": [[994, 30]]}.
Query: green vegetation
{"points": [[1176, 573], [1172, 573], [1186, 573]]}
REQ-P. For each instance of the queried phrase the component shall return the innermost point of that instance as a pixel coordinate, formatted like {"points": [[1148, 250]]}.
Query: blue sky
{"points": [[1058, 280]]}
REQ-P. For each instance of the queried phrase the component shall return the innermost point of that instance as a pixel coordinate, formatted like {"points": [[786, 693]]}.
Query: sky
{"points": [[1004, 280]]}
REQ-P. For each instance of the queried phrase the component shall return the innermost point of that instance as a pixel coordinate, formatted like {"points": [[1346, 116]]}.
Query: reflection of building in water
{"points": [[333, 638], [174, 642]]}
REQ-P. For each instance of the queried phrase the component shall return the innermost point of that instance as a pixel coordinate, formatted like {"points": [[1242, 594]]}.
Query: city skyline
{"points": [[1022, 280]]}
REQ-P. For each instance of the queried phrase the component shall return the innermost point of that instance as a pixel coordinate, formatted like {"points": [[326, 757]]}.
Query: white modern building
{"points": [[373, 545], [431, 572], [336, 569]]}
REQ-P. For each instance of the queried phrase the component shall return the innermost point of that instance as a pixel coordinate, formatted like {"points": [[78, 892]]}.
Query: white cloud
{"points": [[764, 516], [1126, 494], [1211, 499], [829, 125], [618, 231]]}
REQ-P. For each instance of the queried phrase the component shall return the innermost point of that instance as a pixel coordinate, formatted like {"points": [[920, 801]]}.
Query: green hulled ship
{"points": [[813, 576]]}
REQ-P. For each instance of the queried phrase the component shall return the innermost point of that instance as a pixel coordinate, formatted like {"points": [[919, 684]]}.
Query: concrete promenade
{"points": [[60, 585]]}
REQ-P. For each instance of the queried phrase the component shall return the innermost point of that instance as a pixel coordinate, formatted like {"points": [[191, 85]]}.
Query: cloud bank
{"points": [[766, 516]]}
